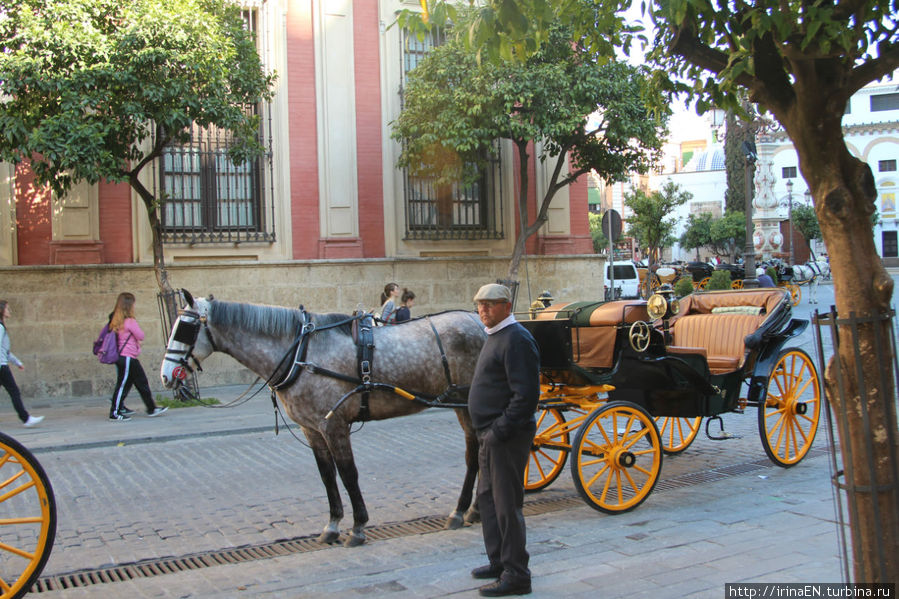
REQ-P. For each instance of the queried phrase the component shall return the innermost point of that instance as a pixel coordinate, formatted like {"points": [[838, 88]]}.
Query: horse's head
{"points": [[188, 341]]}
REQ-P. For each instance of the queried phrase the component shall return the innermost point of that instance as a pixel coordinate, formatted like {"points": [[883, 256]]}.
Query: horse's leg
{"points": [[814, 289], [328, 473], [466, 511], [339, 444]]}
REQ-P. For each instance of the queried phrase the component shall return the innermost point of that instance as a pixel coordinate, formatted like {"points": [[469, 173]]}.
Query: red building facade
{"points": [[329, 187]]}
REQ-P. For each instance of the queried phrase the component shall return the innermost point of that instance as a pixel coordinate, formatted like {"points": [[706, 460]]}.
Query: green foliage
{"points": [[683, 287], [698, 232], [806, 222], [772, 272], [652, 222], [600, 241], [88, 82], [719, 280], [455, 108], [166, 401], [728, 234], [578, 109]]}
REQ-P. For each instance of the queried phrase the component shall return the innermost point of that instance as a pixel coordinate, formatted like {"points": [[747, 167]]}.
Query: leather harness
{"points": [[294, 362]]}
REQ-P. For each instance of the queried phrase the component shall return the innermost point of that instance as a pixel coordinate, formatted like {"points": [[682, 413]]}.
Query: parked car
{"points": [[627, 280]]}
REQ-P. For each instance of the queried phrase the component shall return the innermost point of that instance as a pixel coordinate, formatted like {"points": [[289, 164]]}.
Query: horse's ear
{"points": [[188, 298], [210, 298]]}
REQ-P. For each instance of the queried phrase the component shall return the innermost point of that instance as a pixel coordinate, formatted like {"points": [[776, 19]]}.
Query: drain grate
{"points": [[420, 526]]}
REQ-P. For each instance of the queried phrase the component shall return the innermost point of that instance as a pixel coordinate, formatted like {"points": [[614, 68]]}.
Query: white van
{"points": [[627, 281]]}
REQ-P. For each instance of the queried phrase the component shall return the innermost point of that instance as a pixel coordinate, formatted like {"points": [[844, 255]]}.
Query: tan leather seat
{"points": [[721, 335], [701, 323]]}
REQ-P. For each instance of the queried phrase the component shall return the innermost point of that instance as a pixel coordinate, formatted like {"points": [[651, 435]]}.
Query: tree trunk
{"points": [[524, 184], [162, 275], [844, 192]]}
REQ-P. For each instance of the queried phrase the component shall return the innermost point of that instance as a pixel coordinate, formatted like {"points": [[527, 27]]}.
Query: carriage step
{"points": [[722, 435]]}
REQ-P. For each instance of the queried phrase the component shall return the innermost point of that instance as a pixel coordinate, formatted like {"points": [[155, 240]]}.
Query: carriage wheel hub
{"points": [[625, 459], [801, 407]]}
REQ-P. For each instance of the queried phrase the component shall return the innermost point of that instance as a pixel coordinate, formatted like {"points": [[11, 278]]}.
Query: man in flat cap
{"points": [[502, 401]]}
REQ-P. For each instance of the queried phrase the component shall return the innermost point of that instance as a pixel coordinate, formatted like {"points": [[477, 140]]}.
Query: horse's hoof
{"points": [[328, 536], [454, 522], [354, 540], [472, 516]]}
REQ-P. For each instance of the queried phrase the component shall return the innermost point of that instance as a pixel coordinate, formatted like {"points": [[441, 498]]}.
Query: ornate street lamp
{"points": [[749, 278], [790, 217]]}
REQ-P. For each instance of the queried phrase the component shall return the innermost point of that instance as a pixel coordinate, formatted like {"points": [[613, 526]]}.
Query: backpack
{"points": [[106, 347]]}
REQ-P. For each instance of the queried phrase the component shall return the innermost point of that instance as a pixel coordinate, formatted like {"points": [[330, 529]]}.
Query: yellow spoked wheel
{"points": [[27, 518], [736, 284], [701, 285], [549, 451], [788, 420], [617, 457], [677, 433]]}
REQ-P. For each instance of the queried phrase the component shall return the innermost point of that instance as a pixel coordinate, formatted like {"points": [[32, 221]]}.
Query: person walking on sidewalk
{"points": [[128, 367], [502, 401], [7, 381]]}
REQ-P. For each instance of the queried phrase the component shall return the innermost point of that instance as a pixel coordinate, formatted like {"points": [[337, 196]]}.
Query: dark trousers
{"points": [[9, 383], [500, 498], [130, 372]]}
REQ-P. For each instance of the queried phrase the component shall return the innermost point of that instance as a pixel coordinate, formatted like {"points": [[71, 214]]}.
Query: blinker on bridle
{"points": [[187, 331]]}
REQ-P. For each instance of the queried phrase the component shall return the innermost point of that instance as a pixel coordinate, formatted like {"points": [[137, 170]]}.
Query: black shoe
{"points": [[119, 417], [488, 571], [126, 411], [501, 588]]}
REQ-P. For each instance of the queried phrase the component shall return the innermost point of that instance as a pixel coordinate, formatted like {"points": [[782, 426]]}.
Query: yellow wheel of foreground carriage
{"points": [[27, 518], [617, 457], [788, 419], [677, 433], [549, 451]]}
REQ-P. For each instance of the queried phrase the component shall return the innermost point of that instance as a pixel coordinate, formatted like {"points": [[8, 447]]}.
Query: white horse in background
{"points": [[811, 273]]}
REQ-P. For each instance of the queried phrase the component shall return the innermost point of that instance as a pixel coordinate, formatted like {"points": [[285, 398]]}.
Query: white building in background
{"points": [[694, 160]]}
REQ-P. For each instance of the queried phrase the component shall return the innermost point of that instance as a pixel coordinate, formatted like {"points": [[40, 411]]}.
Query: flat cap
{"points": [[493, 291]]}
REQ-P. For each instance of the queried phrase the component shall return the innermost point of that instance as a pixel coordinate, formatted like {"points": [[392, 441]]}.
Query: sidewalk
{"points": [[82, 422]]}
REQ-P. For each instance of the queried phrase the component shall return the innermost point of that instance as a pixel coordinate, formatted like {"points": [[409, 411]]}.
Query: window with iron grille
{"points": [[886, 166], [456, 211], [890, 244], [788, 172], [208, 198]]}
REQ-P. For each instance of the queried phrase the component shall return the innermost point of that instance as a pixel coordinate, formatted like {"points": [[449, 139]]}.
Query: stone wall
{"points": [[57, 311]]}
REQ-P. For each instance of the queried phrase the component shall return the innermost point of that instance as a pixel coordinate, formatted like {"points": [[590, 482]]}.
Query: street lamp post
{"points": [[790, 217], [749, 277]]}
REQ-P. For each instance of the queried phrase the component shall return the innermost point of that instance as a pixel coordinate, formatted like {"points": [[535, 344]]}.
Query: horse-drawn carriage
{"points": [[625, 382], [27, 518]]}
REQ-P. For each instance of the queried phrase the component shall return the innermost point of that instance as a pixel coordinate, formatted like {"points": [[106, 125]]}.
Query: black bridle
{"points": [[187, 331]]}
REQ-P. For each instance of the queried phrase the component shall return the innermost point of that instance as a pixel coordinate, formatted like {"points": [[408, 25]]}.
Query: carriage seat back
{"points": [[594, 327], [720, 323]]}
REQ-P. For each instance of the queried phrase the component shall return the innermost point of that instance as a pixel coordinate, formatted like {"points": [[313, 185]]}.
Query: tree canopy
{"points": [[652, 221], [455, 110], [94, 89]]}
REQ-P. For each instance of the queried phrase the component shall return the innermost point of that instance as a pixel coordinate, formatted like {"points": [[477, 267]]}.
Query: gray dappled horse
{"points": [[426, 357]]}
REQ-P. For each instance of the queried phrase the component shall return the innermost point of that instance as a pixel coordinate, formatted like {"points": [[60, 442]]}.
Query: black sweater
{"points": [[506, 383]]}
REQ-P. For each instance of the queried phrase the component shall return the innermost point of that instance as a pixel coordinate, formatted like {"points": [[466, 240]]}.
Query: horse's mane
{"points": [[272, 320]]}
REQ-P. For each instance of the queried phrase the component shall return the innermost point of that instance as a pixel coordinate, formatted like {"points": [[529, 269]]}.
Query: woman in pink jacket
{"points": [[130, 372]]}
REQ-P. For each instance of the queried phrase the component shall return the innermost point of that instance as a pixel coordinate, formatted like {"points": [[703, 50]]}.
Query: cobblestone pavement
{"points": [[199, 479]]}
